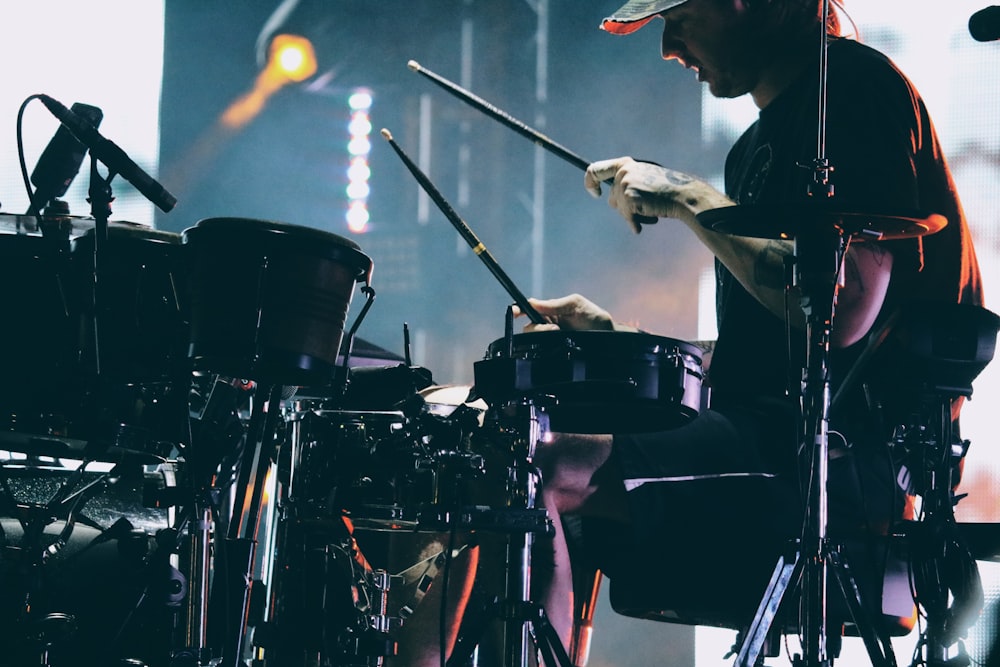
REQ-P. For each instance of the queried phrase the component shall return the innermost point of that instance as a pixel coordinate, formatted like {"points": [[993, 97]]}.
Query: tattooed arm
{"points": [[645, 189]]}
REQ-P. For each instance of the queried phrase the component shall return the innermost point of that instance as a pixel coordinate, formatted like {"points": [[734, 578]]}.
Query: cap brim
{"points": [[636, 13], [624, 27]]}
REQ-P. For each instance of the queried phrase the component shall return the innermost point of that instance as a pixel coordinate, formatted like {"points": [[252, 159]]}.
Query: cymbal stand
{"points": [[819, 256], [100, 197]]}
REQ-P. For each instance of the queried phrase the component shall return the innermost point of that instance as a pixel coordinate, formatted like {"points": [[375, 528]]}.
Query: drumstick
{"points": [[513, 123], [505, 118], [467, 233]]}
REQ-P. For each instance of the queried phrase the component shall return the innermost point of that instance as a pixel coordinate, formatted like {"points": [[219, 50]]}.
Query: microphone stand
{"points": [[100, 208]]}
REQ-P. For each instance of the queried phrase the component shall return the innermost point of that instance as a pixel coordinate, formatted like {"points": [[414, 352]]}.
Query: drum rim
{"points": [[336, 247], [635, 340]]}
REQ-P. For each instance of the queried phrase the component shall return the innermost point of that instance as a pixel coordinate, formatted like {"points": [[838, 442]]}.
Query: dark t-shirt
{"points": [[886, 158]]}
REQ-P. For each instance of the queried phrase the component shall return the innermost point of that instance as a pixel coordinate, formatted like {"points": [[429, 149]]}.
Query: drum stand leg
{"points": [[819, 258], [239, 547], [525, 622]]}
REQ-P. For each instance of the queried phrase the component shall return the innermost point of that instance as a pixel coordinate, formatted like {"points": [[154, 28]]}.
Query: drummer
{"points": [[725, 488]]}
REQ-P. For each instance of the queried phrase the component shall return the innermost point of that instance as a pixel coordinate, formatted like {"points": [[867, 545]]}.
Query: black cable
{"points": [[20, 146]]}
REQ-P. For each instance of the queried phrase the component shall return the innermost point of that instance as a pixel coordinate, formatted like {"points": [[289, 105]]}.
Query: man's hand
{"points": [[572, 312], [644, 191]]}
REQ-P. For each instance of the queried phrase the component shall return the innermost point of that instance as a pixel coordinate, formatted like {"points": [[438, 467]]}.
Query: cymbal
{"points": [[60, 225], [790, 220], [72, 448]]}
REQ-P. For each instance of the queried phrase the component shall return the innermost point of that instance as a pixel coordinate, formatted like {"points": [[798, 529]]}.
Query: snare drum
{"points": [[270, 300], [595, 381]]}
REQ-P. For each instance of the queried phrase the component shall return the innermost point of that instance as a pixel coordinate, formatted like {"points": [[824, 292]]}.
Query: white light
{"points": [[359, 170], [360, 125], [358, 190], [357, 217], [359, 146], [360, 100]]}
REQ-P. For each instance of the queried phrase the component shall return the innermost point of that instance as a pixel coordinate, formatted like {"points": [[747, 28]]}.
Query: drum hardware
{"points": [[806, 564], [519, 427], [50, 545], [938, 350], [328, 603], [292, 342]]}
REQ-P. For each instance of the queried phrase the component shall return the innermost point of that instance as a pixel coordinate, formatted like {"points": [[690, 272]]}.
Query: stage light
{"points": [[293, 56], [357, 217], [291, 59], [360, 101], [359, 172]]}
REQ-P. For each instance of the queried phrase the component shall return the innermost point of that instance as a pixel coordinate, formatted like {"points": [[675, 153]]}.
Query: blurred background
{"points": [[192, 92]]}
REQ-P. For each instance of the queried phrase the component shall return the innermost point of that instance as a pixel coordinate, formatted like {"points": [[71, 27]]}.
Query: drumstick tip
{"points": [[386, 134], [414, 65]]}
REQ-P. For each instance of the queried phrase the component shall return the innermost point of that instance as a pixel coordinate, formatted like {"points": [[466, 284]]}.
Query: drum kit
{"points": [[194, 472], [196, 462]]}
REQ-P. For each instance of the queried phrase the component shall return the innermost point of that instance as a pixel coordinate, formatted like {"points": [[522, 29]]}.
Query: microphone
{"points": [[60, 161], [984, 25], [110, 154]]}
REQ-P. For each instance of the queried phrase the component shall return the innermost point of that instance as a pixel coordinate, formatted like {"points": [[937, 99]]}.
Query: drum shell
{"points": [[36, 340], [142, 305], [55, 402], [355, 462], [595, 381], [269, 300]]}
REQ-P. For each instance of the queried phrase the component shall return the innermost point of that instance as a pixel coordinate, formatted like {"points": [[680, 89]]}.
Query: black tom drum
{"points": [[36, 339], [141, 307], [595, 381], [269, 300]]}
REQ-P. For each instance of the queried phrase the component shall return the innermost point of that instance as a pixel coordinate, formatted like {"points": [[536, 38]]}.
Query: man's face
{"points": [[715, 38]]}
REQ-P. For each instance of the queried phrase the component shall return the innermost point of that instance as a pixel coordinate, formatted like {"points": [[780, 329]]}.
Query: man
{"points": [[695, 517]]}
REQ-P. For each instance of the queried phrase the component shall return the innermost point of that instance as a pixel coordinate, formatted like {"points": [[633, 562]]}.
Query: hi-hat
{"points": [[61, 226], [791, 220], [66, 225]]}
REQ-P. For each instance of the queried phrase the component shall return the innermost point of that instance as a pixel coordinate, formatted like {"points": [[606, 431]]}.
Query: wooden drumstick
{"points": [[467, 233], [513, 123]]}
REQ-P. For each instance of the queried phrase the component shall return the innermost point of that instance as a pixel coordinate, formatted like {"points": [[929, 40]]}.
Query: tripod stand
{"points": [[819, 256]]}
